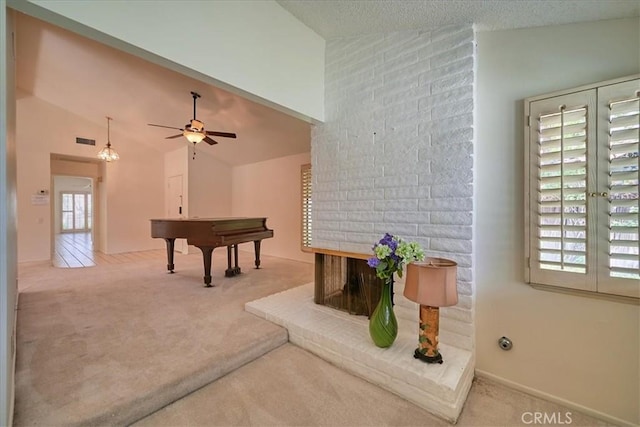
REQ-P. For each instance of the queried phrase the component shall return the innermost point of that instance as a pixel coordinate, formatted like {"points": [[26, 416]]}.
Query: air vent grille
{"points": [[85, 141]]}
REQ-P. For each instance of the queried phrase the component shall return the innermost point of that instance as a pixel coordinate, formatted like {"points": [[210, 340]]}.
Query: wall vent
{"points": [[85, 141]]}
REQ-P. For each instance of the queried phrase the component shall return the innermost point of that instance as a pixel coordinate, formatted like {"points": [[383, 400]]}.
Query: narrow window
{"points": [[305, 175]]}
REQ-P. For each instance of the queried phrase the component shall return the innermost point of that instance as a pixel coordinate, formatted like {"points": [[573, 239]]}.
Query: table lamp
{"points": [[432, 284]]}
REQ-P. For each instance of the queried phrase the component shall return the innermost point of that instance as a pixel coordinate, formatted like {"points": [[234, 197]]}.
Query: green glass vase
{"points": [[383, 326]]}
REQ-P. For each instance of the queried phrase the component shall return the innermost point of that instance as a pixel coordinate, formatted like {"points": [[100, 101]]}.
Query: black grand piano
{"points": [[210, 233]]}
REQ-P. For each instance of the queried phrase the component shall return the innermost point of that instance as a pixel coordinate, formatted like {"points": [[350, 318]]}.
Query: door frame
{"points": [[95, 176], [180, 245]]}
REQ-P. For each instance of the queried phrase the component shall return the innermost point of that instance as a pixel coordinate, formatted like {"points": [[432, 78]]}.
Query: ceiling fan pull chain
{"points": [[194, 151]]}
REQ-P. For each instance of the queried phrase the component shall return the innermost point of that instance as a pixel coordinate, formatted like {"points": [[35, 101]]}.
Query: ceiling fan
{"points": [[194, 130]]}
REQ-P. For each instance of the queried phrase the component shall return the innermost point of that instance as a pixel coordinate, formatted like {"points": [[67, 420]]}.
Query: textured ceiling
{"points": [[339, 18]]}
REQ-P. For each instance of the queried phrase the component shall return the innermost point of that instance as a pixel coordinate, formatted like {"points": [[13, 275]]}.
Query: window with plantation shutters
{"points": [[562, 189], [305, 174], [619, 108], [581, 179]]}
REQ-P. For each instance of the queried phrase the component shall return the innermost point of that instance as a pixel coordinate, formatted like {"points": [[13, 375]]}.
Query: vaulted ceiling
{"points": [[92, 80]]}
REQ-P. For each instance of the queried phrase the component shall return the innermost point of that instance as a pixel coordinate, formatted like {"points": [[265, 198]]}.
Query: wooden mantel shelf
{"points": [[341, 253]]}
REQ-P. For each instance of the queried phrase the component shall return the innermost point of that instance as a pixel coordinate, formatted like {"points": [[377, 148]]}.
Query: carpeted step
{"points": [[291, 387], [160, 395], [109, 345]]}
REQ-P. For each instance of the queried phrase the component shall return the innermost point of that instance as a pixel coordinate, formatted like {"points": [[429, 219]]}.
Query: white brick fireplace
{"points": [[395, 155], [396, 152]]}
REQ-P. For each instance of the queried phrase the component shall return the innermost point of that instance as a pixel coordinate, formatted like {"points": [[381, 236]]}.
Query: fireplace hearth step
{"points": [[343, 340]]}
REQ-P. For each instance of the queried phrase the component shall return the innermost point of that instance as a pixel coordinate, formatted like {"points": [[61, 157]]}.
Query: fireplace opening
{"points": [[345, 282]]}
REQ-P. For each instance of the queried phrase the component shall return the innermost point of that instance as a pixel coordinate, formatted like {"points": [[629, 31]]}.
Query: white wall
{"points": [[254, 46], [134, 194], [8, 238], [415, 90], [210, 192], [131, 188], [100, 191], [272, 189], [581, 350]]}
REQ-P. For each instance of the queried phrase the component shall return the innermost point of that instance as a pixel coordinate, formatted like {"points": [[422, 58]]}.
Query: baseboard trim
{"points": [[555, 399]]}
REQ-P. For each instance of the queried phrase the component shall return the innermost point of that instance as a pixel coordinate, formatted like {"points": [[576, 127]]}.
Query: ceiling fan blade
{"points": [[222, 134], [174, 136], [209, 140], [161, 126]]}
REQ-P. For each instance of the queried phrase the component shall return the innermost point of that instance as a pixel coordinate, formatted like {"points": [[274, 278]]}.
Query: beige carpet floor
{"points": [[291, 387], [107, 345], [111, 344]]}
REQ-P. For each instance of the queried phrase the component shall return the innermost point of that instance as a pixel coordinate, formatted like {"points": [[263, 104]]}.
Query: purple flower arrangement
{"points": [[391, 254]]}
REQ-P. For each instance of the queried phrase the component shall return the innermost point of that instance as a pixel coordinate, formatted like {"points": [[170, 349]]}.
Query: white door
{"points": [[174, 206]]}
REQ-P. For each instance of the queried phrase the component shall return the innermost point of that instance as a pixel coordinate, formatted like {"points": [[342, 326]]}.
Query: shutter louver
{"points": [[562, 190], [306, 206], [623, 156]]}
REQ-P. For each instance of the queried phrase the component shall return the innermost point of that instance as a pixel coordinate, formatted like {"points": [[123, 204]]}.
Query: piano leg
{"points": [[229, 271], [256, 246], [170, 246], [232, 271], [206, 256], [235, 257]]}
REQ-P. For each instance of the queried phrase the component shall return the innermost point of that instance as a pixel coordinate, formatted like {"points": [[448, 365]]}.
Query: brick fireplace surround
{"points": [[395, 154]]}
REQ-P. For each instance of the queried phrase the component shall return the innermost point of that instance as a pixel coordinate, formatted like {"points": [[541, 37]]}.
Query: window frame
{"points": [[593, 285], [88, 211], [306, 191]]}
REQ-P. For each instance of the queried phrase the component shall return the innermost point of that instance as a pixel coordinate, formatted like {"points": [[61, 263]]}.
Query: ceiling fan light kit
{"points": [[194, 130], [193, 136], [108, 154]]}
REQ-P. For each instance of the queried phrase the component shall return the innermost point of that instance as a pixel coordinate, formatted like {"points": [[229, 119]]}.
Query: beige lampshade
{"points": [[432, 282]]}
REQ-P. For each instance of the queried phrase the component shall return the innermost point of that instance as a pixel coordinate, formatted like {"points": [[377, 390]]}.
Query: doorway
{"points": [[174, 207], [73, 222], [76, 210]]}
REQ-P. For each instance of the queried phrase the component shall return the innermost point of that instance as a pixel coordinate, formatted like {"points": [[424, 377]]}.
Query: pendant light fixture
{"points": [[108, 154]]}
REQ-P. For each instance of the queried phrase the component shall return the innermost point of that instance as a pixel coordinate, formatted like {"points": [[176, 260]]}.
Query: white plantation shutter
{"points": [[562, 189], [561, 128], [618, 138], [582, 189], [305, 175]]}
